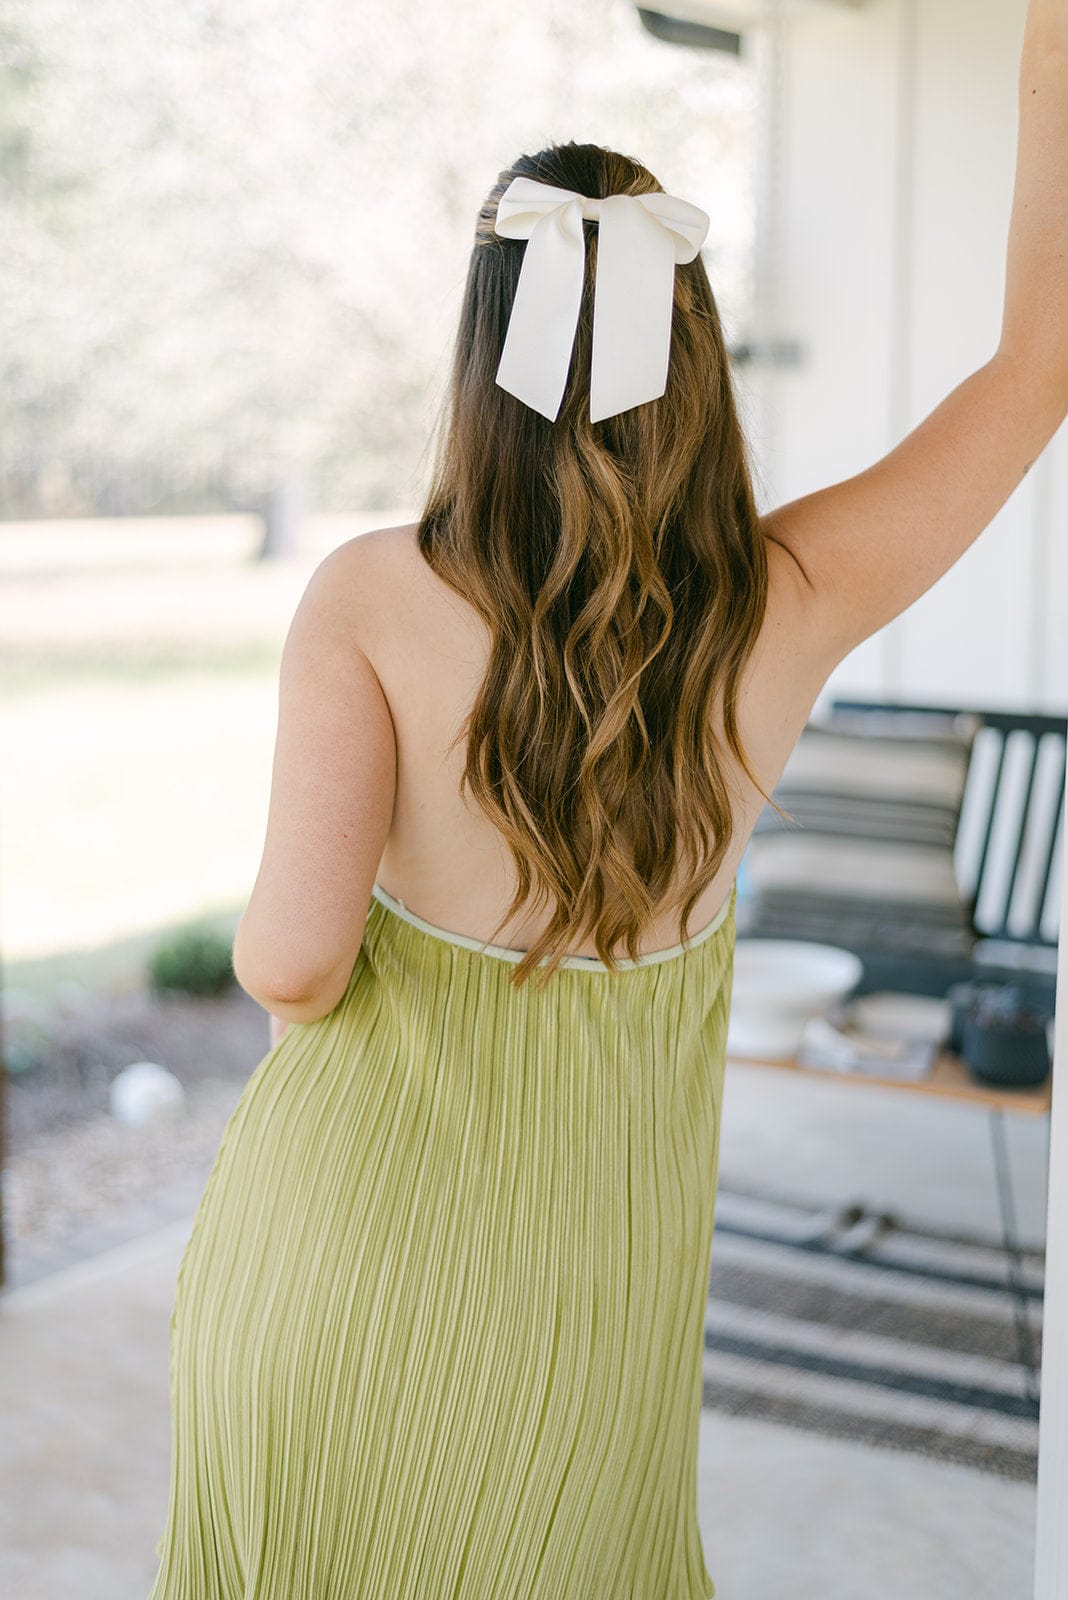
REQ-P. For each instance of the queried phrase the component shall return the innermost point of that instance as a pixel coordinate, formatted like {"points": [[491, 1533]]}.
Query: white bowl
{"points": [[778, 985]]}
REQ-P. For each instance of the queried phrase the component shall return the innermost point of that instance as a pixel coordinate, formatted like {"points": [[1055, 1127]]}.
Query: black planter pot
{"points": [[1013, 1054], [962, 998]]}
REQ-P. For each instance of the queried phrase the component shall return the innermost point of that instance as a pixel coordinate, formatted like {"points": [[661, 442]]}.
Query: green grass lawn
{"points": [[138, 713]]}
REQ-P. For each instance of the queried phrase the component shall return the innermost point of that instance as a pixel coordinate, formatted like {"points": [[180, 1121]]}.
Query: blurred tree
{"points": [[236, 233]]}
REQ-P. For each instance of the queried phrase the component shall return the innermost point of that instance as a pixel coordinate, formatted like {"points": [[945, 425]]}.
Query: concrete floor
{"points": [[84, 1446], [927, 1159]]}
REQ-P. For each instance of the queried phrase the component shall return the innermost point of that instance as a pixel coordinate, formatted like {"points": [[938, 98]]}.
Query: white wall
{"points": [[897, 146]]}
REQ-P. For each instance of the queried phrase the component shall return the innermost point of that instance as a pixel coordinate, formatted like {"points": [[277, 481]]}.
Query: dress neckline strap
{"points": [[580, 963]]}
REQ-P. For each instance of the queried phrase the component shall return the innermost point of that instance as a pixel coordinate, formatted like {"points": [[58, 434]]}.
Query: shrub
{"points": [[27, 1046], [194, 961]]}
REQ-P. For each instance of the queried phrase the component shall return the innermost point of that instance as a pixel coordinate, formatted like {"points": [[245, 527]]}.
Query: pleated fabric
{"points": [[438, 1328]]}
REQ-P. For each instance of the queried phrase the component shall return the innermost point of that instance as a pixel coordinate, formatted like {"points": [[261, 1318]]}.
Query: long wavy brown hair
{"points": [[621, 571]]}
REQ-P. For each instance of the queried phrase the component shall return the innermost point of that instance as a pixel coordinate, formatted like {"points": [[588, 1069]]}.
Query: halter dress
{"points": [[438, 1329]]}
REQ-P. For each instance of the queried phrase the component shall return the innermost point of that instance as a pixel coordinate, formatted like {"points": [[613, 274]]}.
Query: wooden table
{"points": [[950, 1079], [948, 1076]]}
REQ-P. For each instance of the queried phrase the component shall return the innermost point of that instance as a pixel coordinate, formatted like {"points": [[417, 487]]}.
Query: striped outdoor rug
{"points": [[852, 1325]]}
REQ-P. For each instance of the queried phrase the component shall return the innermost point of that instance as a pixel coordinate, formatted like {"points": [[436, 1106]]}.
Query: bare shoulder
{"points": [[366, 573], [384, 585], [379, 550]]}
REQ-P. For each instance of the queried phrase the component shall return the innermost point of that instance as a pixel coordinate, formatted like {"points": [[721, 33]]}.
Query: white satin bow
{"points": [[640, 238]]}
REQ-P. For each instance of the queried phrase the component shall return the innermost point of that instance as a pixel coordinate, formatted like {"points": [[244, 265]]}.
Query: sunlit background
{"points": [[235, 240]]}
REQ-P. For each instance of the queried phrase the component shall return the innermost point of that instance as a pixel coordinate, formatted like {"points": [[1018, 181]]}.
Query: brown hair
{"points": [[621, 571]]}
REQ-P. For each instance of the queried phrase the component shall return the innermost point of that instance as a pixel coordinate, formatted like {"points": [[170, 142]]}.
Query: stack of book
{"points": [[886, 1035]]}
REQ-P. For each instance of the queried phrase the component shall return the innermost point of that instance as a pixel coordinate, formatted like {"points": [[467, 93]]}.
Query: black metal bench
{"points": [[1018, 801]]}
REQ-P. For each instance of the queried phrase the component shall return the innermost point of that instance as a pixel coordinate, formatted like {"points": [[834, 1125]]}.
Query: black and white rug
{"points": [[851, 1324]]}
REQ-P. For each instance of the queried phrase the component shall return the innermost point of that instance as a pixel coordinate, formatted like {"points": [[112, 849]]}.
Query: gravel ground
{"points": [[74, 1179]]}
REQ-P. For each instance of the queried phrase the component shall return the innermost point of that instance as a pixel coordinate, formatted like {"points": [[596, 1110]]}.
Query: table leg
{"points": [[1024, 1342]]}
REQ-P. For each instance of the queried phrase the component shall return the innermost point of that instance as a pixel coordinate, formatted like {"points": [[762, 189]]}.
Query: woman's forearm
{"points": [[1035, 318]]}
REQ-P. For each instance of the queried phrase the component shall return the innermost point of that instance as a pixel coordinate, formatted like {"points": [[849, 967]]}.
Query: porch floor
{"points": [[84, 1451]]}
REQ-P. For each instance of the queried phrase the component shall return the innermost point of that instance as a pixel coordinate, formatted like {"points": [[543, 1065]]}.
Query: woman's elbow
{"points": [[290, 1001]]}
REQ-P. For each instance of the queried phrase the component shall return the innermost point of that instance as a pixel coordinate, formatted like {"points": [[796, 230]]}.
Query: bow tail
{"points": [[633, 299], [541, 329]]}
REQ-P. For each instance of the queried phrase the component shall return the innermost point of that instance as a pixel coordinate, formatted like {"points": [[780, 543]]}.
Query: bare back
{"points": [[444, 858]]}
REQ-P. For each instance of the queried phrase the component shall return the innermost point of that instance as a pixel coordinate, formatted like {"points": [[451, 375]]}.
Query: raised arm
{"points": [[869, 546], [1035, 320]]}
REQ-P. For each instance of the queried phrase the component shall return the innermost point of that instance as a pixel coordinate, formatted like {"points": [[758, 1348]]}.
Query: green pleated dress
{"points": [[438, 1329]]}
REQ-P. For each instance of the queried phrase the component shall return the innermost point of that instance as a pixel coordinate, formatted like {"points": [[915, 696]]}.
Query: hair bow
{"points": [[640, 238]]}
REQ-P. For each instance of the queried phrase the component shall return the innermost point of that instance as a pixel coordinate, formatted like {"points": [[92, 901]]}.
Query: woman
{"points": [[438, 1328]]}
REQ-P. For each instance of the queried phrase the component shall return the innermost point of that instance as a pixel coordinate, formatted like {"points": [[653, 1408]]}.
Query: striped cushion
{"points": [[869, 865]]}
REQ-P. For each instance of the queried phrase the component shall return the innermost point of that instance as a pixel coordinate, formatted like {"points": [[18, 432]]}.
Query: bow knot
{"points": [[640, 238]]}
